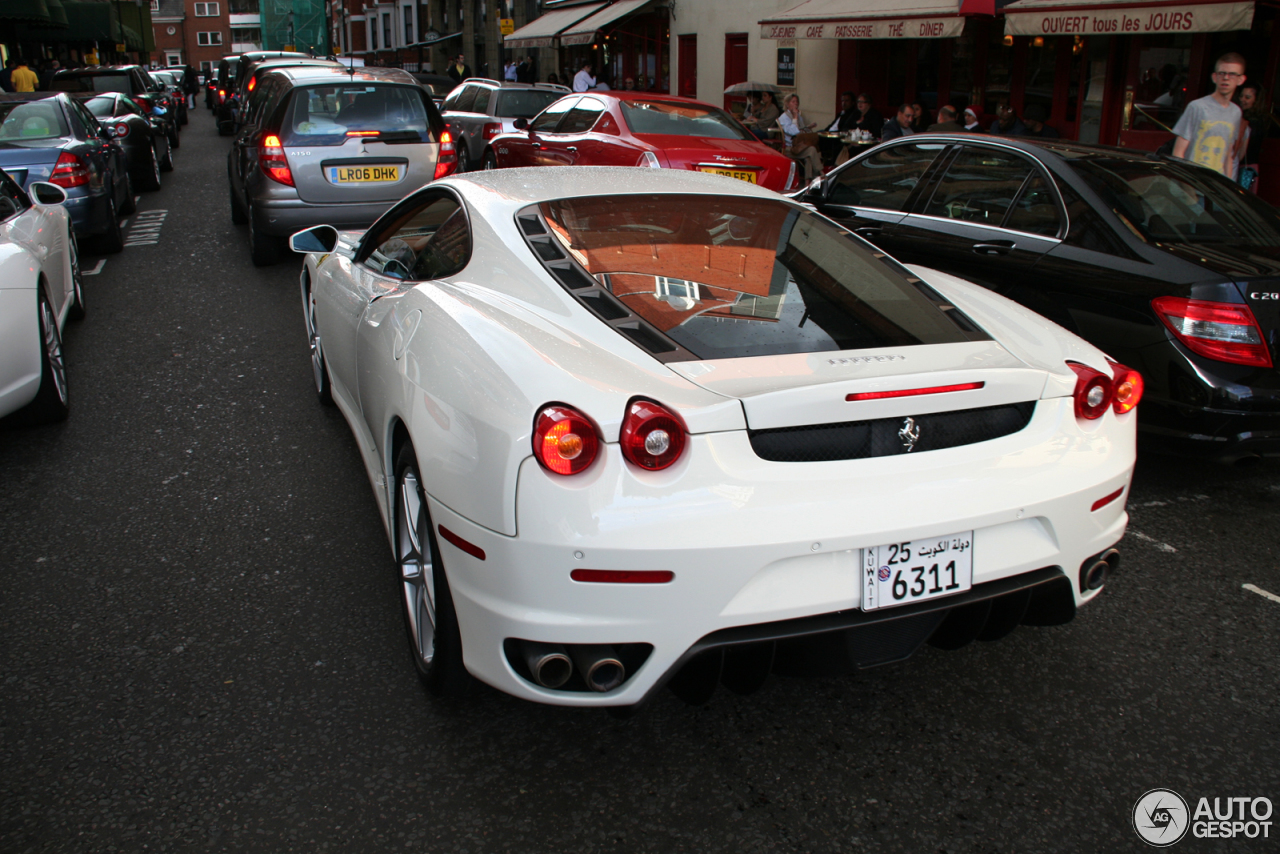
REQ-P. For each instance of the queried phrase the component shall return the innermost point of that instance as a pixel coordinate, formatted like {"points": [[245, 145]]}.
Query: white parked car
{"points": [[39, 290], [629, 428]]}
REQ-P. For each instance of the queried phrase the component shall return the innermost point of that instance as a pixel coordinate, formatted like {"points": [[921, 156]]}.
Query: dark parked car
{"points": [[131, 80], [141, 136], [54, 138], [232, 71], [330, 145], [172, 84], [1169, 267]]}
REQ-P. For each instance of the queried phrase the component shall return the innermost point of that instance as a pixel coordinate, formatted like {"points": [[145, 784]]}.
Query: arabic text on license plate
{"points": [[902, 573], [740, 174], [363, 174]]}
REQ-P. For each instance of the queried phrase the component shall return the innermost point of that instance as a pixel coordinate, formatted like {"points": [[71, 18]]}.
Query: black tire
{"points": [[174, 140], [166, 161], [264, 249], [76, 312], [464, 159], [431, 625], [130, 203], [238, 214], [51, 402], [113, 240], [149, 175], [319, 367], [490, 161]]}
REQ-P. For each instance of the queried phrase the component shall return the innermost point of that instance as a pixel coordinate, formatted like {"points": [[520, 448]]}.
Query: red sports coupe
{"points": [[648, 129]]}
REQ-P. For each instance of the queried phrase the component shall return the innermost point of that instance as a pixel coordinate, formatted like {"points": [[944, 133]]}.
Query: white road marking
{"points": [[1164, 547], [97, 268], [124, 223], [146, 228], [1253, 588]]}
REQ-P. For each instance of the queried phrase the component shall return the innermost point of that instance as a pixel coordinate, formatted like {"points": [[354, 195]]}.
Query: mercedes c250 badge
{"points": [[909, 434]]}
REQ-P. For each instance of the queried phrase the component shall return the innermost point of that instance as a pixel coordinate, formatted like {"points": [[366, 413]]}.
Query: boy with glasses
{"points": [[1209, 127]]}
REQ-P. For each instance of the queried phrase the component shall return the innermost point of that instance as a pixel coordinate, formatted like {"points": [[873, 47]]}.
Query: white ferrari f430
{"points": [[630, 428]]}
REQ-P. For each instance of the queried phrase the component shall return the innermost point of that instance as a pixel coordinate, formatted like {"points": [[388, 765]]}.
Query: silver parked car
{"points": [[331, 145], [480, 109]]}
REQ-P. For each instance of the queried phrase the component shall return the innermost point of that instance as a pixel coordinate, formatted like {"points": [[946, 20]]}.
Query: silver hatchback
{"points": [[331, 145]]}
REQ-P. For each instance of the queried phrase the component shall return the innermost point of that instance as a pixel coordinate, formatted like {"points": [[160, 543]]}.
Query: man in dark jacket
{"points": [[458, 70], [1034, 117], [947, 122], [899, 125], [1007, 122], [847, 117]]}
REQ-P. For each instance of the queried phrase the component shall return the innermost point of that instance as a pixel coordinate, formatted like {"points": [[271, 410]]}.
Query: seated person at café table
{"points": [[868, 119], [899, 125], [763, 116], [1007, 122], [947, 122], [1034, 117], [848, 116], [971, 122], [800, 145]]}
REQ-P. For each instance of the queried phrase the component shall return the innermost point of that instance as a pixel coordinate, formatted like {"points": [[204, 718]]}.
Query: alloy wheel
{"points": [[417, 566], [317, 349], [53, 350]]}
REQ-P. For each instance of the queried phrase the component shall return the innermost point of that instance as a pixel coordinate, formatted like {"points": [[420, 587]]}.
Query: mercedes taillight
{"points": [[272, 160], [1223, 331], [71, 170], [447, 159]]}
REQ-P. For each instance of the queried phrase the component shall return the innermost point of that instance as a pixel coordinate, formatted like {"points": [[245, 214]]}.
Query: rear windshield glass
{"points": [[31, 121], [524, 103], [726, 277], [677, 119], [93, 83], [323, 115], [101, 107], [1172, 203]]}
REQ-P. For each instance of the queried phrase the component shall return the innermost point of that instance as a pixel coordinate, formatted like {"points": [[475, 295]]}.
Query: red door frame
{"points": [[688, 74], [735, 63]]}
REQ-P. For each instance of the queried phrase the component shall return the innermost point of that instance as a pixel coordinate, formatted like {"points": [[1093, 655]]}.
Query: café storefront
{"points": [[623, 39]]}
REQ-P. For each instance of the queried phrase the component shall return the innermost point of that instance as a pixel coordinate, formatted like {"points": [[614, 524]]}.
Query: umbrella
{"points": [[751, 86]]}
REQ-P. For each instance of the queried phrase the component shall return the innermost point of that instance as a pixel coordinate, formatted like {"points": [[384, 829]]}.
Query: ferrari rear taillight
{"points": [[71, 170], [1223, 331], [1126, 388], [1093, 391], [490, 130], [564, 440], [650, 160], [652, 437], [122, 130], [793, 179], [272, 160], [447, 160]]}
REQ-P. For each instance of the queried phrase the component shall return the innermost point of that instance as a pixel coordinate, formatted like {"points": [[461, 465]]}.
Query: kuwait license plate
{"points": [[902, 573], [363, 174], [741, 174]]}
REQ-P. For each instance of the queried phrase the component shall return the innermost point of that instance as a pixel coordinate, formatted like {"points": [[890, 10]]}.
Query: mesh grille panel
{"points": [[853, 440]]}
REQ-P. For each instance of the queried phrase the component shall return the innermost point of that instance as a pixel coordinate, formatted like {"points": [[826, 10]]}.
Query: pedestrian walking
{"points": [[458, 70], [1209, 127], [23, 79]]}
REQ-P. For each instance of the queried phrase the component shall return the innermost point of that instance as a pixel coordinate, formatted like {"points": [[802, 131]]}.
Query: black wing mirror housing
{"points": [[521, 124], [321, 238]]}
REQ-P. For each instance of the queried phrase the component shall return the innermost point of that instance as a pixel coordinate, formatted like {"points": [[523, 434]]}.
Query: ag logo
{"points": [[1161, 818]]}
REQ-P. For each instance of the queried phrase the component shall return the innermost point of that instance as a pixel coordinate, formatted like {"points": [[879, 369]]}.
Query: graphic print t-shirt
{"points": [[1210, 131]]}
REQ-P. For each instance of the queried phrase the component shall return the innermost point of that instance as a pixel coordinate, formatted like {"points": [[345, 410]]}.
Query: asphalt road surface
{"points": [[201, 646]]}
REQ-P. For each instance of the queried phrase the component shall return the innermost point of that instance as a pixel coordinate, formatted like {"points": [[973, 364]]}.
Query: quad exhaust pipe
{"points": [[1095, 570], [552, 665], [548, 663]]}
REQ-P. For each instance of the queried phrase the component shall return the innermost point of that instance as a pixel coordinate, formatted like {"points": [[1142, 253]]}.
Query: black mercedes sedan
{"points": [[142, 137], [1169, 267]]}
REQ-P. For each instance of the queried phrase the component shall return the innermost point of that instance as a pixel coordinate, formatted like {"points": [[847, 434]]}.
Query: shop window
{"points": [[1041, 74], [999, 70], [962, 60], [1098, 49], [1164, 66], [927, 94]]}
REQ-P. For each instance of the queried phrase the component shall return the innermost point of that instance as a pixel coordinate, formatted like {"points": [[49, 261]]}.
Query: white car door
{"points": [[42, 229]]}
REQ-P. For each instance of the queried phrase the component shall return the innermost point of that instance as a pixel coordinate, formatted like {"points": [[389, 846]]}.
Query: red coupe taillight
{"points": [[71, 170], [1093, 391], [122, 130], [447, 160], [653, 437], [1224, 331], [793, 179], [272, 160], [1126, 388], [564, 440], [490, 130]]}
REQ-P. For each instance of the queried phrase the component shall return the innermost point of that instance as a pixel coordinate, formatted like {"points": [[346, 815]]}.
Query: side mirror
{"points": [[45, 193], [815, 193], [321, 238], [521, 124]]}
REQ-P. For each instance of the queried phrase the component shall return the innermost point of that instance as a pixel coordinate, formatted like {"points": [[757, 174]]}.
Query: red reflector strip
{"points": [[623, 576], [461, 544], [1105, 500], [912, 392]]}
